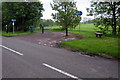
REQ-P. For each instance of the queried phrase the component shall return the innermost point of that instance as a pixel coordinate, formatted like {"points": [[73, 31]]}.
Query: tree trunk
{"points": [[42, 30], [119, 31], [66, 31], [114, 19], [66, 27], [23, 24]]}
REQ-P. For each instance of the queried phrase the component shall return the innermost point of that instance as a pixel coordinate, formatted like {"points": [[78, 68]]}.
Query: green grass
{"points": [[15, 34], [107, 45], [56, 28], [52, 28]]}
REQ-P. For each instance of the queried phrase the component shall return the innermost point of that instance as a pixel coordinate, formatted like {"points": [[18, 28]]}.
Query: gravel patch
{"points": [[48, 39]]}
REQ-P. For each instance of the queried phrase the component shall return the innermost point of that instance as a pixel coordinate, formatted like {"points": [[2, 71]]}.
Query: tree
{"points": [[107, 13], [66, 14], [25, 13], [48, 22]]}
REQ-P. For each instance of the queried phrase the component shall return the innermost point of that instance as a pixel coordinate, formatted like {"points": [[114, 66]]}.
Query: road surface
{"points": [[21, 59]]}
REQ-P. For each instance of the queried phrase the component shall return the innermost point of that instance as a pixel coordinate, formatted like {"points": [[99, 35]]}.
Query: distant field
{"points": [[107, 45]]}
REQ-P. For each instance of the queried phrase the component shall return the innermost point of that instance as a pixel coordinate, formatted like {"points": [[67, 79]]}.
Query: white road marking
{"points": [[12, 50], [63, 72]]}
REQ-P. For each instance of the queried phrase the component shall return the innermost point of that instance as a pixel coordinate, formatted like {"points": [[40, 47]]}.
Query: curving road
{"points": [[21, 59]]}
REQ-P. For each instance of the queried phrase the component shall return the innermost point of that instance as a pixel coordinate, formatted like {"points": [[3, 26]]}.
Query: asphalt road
{"points": [[21, 59]]}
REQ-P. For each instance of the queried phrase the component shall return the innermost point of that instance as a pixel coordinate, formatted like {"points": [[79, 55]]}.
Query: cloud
{"points": [[81, 6]]}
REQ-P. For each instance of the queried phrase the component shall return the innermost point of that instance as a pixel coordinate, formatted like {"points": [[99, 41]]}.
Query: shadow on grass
{"points": [[112, 36]]}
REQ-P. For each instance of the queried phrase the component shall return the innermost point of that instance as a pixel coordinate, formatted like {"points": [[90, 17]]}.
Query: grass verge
{"points": [[107, 45], [10, 34]]}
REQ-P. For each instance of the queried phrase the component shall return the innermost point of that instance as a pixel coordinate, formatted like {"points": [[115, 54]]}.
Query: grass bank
{"points": [[107, 45]]}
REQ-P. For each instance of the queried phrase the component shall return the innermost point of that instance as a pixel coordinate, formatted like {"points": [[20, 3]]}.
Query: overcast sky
{"points": [[81, 6]]}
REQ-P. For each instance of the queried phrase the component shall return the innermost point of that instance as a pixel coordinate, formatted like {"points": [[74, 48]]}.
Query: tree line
{"points": [[48, 22], [26, 14], [29, 13], [107, 15]]}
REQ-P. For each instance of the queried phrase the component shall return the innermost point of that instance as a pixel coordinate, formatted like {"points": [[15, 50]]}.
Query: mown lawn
{"points": [[105, 46]]}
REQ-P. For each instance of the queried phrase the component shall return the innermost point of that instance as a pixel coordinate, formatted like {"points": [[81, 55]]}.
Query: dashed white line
{"points": [[63, 72], [11, 50]]}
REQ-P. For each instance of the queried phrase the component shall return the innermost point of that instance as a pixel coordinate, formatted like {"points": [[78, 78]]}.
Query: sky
{"points": [[81, 6]]}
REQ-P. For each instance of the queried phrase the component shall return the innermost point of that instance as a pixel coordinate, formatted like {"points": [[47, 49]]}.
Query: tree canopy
{"points": [[25, 13], [66, 14], [106, 14], [47, 22]]}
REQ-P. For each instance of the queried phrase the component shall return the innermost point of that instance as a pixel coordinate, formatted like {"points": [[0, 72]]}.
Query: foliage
{"points": [[107, 13], [47, 22], [66, 14], [25, 13]]}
